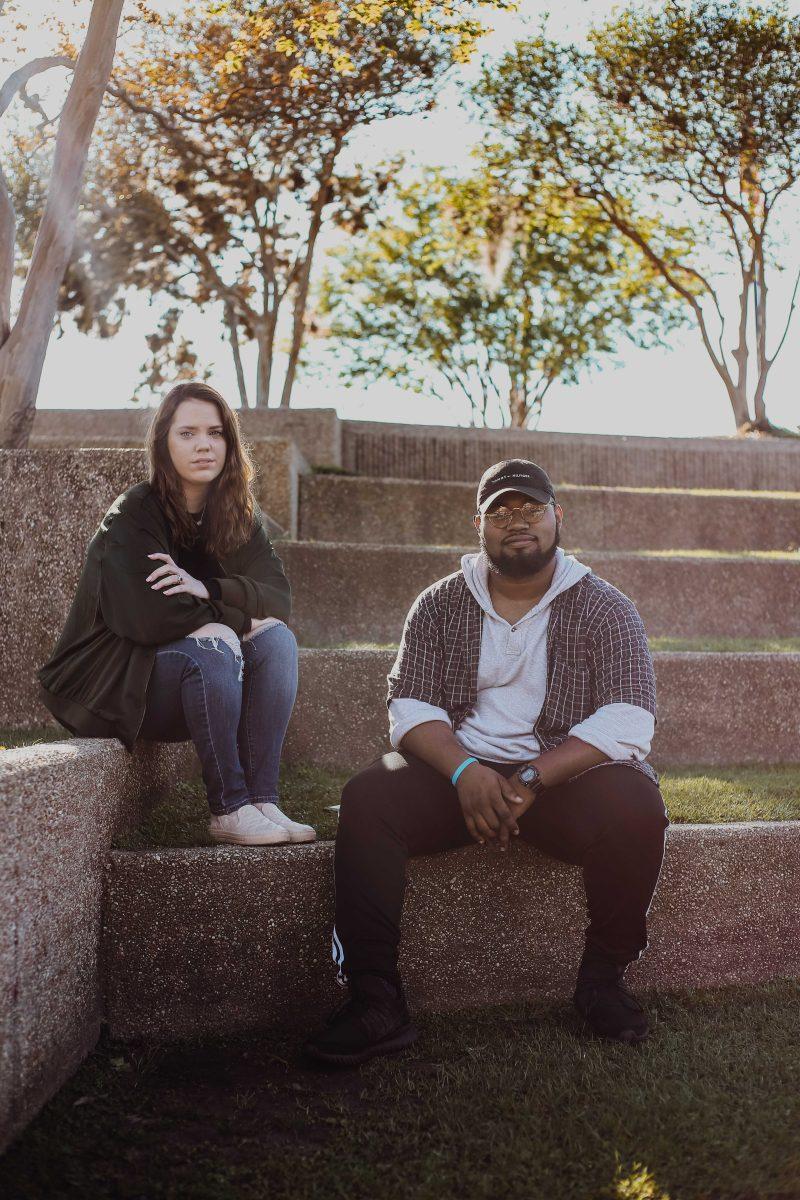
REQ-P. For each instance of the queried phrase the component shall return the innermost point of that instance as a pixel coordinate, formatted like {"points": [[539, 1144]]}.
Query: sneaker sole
{"points": [[397, 1041], [230, 839]]}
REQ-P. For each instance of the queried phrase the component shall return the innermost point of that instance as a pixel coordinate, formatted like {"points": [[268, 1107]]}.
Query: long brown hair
{"points": [[228, 519]]}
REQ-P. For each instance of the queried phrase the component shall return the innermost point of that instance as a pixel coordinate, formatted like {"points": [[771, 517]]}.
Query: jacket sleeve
{"points": [[621, 663], [259, 588], [130, 607], [417, 673]]}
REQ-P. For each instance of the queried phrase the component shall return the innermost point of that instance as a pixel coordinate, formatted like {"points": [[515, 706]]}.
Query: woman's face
{"points": [[196, 443]]}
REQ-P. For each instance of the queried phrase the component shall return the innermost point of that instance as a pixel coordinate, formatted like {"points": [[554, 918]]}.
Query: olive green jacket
{"points": [[95, 682]]}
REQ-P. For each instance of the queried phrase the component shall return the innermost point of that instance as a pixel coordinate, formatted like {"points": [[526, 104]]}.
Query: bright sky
{"points": [[657, 392]]}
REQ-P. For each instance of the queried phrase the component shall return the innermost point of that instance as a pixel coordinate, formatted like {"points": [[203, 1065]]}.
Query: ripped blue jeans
{"points": [[235, 706]]}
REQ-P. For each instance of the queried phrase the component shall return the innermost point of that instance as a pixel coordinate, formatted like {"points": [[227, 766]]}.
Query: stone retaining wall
{"points": [[403, 451], [479, 928], [412, 512], [720, 709], [62, 803], [316, 431], [369, 589]]}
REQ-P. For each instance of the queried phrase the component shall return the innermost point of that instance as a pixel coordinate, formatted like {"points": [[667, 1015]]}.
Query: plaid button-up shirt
{"points": [[597, 654]]}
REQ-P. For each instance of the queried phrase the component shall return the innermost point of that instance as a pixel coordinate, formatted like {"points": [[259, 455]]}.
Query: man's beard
{"points": [[516, 565]]}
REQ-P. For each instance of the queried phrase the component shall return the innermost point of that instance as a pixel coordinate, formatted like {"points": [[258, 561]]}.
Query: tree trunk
{"points": [[518, 404], [303, 282], [232, 321], [22, 355], [8, 232], [265, 337]]}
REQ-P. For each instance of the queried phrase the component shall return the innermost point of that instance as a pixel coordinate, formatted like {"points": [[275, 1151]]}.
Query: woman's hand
{"points": [[173, 580]]}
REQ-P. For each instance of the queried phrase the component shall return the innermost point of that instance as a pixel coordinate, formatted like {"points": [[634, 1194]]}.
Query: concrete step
{"points": [[386, 451], [478, 928], [356, 593], [63, 803], [411, 512], [712, 708]]}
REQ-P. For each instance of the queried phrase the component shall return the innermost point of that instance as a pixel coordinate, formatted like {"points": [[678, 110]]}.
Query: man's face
{"points": [[519, 550]]}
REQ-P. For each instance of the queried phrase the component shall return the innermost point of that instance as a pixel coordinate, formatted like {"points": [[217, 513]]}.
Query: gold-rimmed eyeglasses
{"points": [[531, 514]]}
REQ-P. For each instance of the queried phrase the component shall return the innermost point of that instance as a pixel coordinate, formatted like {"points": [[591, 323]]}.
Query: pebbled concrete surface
{"points": [[478, 928]]}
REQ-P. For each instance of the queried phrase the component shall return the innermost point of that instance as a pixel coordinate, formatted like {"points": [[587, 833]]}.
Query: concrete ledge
{"points": [[712, 708], [438, 452], [280, 467], [62, 805], [412, 512], [479, 928], [316, 431], [369, 589]]}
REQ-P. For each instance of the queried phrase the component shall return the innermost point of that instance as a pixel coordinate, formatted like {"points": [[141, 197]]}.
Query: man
{"points": [[522, 702]]}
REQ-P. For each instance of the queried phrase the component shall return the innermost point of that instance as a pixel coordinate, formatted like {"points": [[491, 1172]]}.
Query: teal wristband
{"points": [[459, 769]]}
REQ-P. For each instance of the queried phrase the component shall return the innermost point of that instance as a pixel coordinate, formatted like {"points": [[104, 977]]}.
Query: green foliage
{"points": [[216, 163], [688, 110], [499, 291]]}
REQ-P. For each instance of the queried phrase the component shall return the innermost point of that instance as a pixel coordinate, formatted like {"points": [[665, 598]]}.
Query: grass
{"points": [[693, 796], [707, 645], [788, 555], [11, 739], [181, 819], [508, 1102], [728, 645]]}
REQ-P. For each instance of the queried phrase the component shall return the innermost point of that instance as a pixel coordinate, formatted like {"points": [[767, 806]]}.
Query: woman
{"points": [[177, 629]]}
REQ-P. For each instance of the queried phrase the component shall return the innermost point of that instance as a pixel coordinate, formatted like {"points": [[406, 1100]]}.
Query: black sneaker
{"points": [[610, 1010], [373, 1020]]}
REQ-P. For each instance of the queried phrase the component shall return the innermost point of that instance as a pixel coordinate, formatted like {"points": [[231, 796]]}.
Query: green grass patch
{"points": [[693, 795], [509, 1102], [11, 739], [727, 645], [181, 819], [718, 795], [702, 645], [777, 555]]}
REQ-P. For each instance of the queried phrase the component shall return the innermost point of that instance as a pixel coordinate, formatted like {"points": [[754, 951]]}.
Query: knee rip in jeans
{"points": [[210, 641]]}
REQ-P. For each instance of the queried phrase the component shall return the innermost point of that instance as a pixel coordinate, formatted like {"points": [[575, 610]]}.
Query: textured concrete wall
{"points": [[428, 513], [51, 502], [316, 431], [478, 928], [368, 590], [712, 708], [435, 452], [280, 467], [62, 805]]}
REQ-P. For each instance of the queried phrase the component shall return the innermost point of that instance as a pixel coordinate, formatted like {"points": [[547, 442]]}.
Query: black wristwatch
{"points": [[529, 777]]}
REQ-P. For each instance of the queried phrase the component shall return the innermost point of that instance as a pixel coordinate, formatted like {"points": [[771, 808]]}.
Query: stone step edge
{"points": [[183, 855], [711, 556], [398, 481], [514, 929]]}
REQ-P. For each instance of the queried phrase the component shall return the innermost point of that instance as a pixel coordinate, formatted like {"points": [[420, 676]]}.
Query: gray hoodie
{"points": [[512, 681]]}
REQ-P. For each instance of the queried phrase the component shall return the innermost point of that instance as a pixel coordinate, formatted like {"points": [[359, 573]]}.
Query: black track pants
{"points": [[610, 821]]}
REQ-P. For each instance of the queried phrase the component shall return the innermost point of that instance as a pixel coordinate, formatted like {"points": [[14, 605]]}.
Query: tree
{"points": [[695, 109], [493, 293], [23, 341], [218, 163]]}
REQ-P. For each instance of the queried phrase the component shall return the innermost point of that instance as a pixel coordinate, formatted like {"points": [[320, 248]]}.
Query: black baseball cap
{"points": [[514, 475]]}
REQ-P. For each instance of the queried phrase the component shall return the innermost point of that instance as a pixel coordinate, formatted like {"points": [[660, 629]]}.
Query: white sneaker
{"points": [[296, 831], [247, 827]]}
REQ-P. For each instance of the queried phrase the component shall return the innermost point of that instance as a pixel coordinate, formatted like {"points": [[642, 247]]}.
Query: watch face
{"points": [[528, 775]]}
